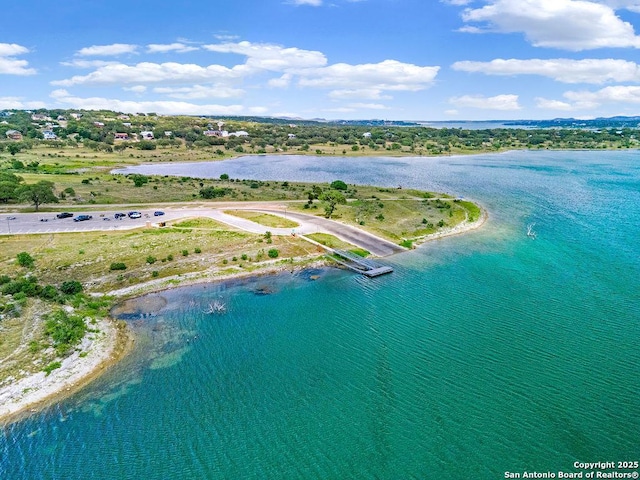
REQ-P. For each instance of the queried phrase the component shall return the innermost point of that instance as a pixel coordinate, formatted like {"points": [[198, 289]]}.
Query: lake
{"points": [[481, 354]]}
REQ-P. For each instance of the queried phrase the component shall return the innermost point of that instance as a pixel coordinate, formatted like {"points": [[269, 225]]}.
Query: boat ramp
{"points": [[361, 265]]}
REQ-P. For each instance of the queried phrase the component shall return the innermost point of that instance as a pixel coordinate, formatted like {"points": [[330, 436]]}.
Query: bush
{"points": [[118, 266], [65, 331], [197, 250], [71, 287], [51, 367], [151, 260], [169, 257], [185, 253], [273, 253], [25, 260], [339, 184], [155, 273]]}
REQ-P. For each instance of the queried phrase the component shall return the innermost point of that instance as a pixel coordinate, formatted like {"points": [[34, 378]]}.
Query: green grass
{"points": [[266, 219]]}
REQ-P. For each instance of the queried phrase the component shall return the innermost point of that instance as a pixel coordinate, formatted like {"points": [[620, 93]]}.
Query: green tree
{"points": [[71, 287], [8, 191], [38, 193], [331, 199], [338, 185], [14, 148], [224, 177]]}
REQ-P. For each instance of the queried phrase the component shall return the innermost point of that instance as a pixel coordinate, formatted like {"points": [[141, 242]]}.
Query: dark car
{"points": [[118, 216], [64, 215], [158, 213], [82, 218], [135, 215]]}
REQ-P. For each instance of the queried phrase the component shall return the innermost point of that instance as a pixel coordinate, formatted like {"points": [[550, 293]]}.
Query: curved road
{"points": [[103, 220]]}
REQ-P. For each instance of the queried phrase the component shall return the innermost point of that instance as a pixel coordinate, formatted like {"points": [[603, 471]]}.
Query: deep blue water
{"points": [[482, 353]]}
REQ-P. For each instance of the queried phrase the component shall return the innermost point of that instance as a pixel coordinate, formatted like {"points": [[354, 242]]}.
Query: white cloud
{"points": [[281, 82], [615, 94], [80, 63], [452, 112], [200, 91], [499, 102], [17, 103], [10, 65], [148, 72], [135, 89], [364, 93], [107, 50], [565, 24], [171, 47], [62, 97], [553, 104], [588, 100], [560, 69], [262, 56], [386, 75]]}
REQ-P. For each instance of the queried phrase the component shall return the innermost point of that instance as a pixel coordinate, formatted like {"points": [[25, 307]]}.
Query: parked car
{"points": [[64, 215], [119, 215], [135, 214], [82, 218], [158, 213]]}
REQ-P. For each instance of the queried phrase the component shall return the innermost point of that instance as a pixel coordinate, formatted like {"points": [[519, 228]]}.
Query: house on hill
{"points": [[14, 135], [121, 136], [147, 135], [49, 135]]}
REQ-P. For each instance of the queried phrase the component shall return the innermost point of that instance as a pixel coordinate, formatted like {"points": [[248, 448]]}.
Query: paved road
{"points": [[103, 220]]}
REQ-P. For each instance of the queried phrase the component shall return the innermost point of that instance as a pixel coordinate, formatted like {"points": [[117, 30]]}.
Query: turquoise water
{"points": [[480, 354]]}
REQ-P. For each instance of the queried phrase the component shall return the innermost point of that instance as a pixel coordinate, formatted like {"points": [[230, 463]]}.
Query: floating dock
{"points": [[361, 265]]}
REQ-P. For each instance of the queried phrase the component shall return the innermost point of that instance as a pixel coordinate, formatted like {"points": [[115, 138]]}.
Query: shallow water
{"points": [[480, 354]]}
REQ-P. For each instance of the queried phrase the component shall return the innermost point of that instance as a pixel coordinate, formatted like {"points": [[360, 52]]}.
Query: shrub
{"points": [[197, 250], [155, 273], [151, 259], [170, 257], [406, 244], [244, 256], [71, 287], [25, 260], [117, 266], [64, 330], [273, 253], [51, 367]]}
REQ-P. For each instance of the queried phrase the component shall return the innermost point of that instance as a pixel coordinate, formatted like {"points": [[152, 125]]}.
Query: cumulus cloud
{"points": [[547, 104], [107, 50], [560, 69], [499, 102], [82, 63], [386, 75], [170, 47], [147, 72], [13, 66], [565, 24], [263, 56], [63, 97], [135, 89], [589, 100], [17, 103]]}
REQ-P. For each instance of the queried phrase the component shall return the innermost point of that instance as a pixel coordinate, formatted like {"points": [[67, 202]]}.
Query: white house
{"points": [[147, 135], [367, 135], [239, 133], [49, 135]]}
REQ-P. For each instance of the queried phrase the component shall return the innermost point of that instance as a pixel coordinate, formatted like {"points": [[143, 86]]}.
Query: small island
{"points": [[58, 288]]}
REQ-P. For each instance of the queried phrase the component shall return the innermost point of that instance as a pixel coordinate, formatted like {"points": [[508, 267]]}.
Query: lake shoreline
{"points": [[37, 391]]}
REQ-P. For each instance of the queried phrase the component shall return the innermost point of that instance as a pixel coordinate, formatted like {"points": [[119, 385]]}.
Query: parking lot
{"points": [[48, 222]]}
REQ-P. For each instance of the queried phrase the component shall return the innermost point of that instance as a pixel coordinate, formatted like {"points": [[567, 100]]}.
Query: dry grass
{"points": [[268, 220]]}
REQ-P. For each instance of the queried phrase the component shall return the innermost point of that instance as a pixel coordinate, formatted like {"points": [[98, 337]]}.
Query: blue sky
{"points": [[333, 59]]}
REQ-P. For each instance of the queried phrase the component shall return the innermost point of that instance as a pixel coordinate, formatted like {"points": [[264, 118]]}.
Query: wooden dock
{"points": [[360, 265]]}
